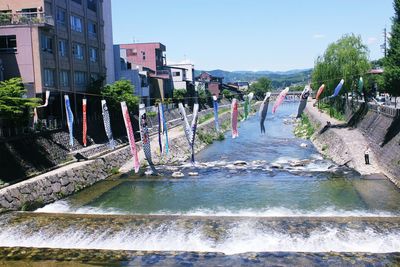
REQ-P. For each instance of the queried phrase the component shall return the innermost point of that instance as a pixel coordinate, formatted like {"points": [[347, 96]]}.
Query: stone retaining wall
{"points": [[67, 180], [374, 126]]}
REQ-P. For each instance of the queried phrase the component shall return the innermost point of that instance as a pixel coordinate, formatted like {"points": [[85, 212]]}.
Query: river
{"points": [[252, 194]]}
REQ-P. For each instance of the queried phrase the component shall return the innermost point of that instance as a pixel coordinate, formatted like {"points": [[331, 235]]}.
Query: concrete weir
{"points": [[133, 240]]}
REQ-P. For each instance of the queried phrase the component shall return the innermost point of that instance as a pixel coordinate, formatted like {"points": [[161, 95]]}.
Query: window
{"points": [[80, 78], [176, 74], [48, 77], [47, 44], [92, 29], [61, 16], [28, 12], [8, 42], [76, 23], [144, 55], [64, 78], [78, 51], [93, 54], [77, 1], [92, 5], [131, 52], [62, 48]]}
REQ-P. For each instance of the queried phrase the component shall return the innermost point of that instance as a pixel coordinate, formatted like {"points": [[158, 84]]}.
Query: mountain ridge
{"points": [[278, 78]]}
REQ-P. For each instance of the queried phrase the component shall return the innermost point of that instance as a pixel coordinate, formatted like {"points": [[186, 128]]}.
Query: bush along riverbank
{"points": [[304, 129]]}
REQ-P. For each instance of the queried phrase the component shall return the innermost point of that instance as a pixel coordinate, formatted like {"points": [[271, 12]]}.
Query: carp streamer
{"points": [[131, 137], [264, 111]]}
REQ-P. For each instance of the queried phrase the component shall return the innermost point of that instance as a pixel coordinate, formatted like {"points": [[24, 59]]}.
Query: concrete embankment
{"points": [[62, 182], [347, 145]]}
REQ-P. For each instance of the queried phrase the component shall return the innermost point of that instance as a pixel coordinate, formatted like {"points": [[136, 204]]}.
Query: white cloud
{"points": [[318, 36]]}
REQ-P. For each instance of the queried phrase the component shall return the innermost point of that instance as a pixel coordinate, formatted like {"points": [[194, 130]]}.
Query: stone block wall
{"points": [[375, 127]]}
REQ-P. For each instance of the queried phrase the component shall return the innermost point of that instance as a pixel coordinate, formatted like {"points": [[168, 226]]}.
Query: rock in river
{"points": [[177, 174], [240, 163]]}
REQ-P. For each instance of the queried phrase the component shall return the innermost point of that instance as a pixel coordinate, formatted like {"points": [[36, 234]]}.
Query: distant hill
{"points": [[279, 78]]}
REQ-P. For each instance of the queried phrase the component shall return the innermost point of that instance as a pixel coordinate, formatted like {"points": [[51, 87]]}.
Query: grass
{"points": [[205, 137], [304, 128], [205, 118], [332, 111], [113, 171], [325, 147], [151, 113], [211, 115], [210, 137]]}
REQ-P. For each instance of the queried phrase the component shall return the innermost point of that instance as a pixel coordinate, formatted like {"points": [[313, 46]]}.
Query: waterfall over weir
{"points": [[228, 235]]}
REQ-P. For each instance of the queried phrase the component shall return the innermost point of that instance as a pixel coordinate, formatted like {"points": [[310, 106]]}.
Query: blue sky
{"points": [[250, 34]]}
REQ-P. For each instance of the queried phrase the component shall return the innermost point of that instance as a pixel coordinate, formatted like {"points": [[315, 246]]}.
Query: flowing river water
{"points": [[256, 193]]}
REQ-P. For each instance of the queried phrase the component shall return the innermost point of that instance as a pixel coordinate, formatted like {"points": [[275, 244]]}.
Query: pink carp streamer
{"points": [[84, 122], [320, 91], [280, 99], [131, 137], [234, 118]]}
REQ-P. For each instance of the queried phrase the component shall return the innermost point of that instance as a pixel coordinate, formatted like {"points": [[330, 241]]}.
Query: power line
{"points": [[187, 97]]}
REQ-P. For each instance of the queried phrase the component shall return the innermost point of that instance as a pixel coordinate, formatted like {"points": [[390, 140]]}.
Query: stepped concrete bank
{"points": [[62, 182], [346, 146]]}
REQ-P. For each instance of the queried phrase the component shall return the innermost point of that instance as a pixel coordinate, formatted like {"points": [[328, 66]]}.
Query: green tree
{"points": [[391, 75], [13, 104], [179, 95], [345, 59], [120, 91], [227, 94], [260, 87]]}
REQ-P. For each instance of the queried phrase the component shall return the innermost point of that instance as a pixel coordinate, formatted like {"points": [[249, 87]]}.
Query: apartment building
{"points": [[152, 58], [125, 70], [148, 55], [182, 75], [55, 45]]}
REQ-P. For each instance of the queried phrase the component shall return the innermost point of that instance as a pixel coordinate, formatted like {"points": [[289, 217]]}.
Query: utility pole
{"points": [[384, 45]]}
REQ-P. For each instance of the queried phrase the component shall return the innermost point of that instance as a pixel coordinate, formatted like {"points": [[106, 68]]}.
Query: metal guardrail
{"points": [[385, 110]]}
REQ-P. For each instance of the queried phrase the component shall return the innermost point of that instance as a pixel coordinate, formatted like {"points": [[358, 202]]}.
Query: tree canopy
{"points": [[345, 59], [120, 91], [179, 95], [13, 104], [260, 87], [391, 63]]}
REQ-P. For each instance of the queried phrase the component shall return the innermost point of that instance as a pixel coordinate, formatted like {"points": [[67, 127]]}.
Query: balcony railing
{"points": [[28, 18], [162, 72]]}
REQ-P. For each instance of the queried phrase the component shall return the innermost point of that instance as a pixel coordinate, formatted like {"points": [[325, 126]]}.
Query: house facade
{"points": [[182, 75], [124, 70], [56, 45], [211, 83], [151, 57]]}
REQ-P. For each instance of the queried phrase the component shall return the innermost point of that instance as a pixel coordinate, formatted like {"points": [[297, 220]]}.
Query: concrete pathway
{"points": [[353, 139]]}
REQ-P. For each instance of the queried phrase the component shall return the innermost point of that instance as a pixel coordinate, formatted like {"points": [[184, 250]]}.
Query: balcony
{"points": [[163, 74], [29, 18]]}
